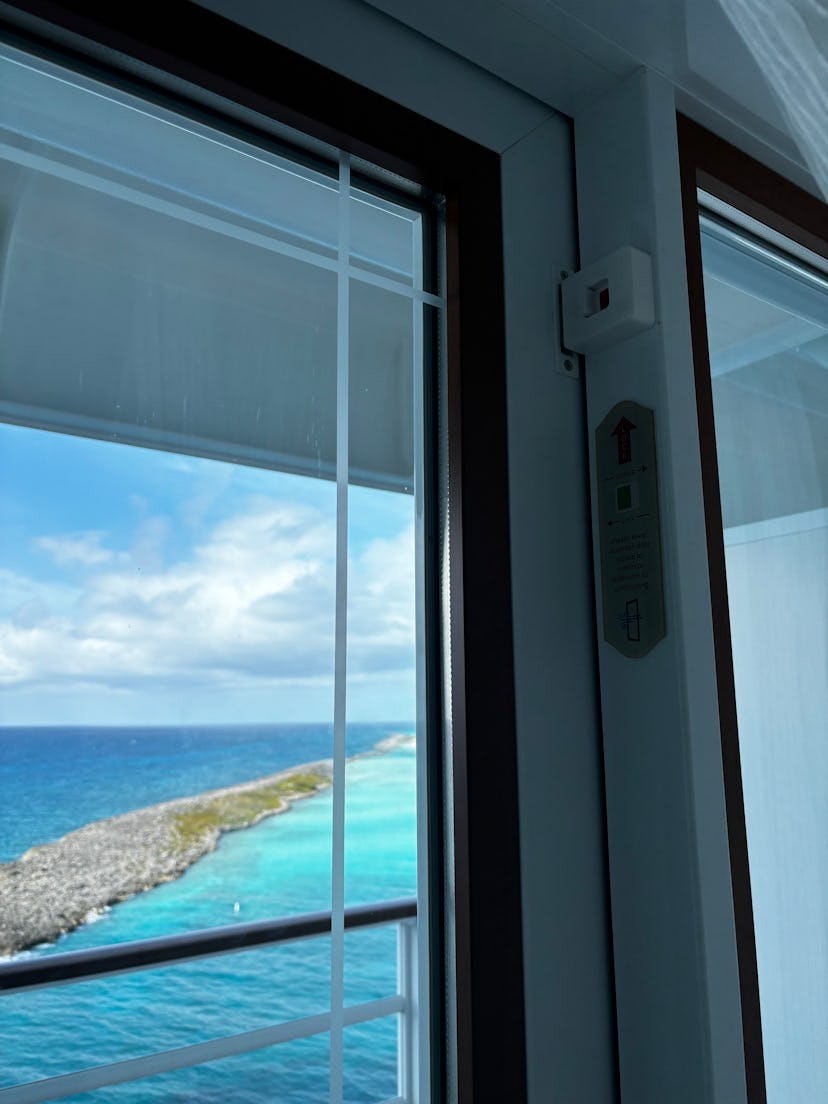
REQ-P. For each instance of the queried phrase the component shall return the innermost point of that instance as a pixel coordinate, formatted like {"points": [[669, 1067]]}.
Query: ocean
{"points": [[53, 780]]}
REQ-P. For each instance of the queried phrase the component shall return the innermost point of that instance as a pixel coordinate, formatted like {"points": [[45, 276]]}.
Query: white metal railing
{"points": [[152, 953]]}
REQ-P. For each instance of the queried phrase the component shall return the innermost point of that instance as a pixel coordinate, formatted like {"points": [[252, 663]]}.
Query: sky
{"points": [[144, 587]]}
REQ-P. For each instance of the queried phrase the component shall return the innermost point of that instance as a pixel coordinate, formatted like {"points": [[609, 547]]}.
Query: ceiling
{"points": [[563, 53], [566, 52]]}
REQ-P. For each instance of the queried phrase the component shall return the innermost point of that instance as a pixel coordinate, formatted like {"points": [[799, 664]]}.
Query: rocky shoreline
{"points": [[55, 887]]}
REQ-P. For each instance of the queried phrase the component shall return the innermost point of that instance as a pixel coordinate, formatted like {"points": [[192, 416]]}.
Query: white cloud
{"points": [[148, 545], [26, 601], [75, 548], [252, 605], [381, 610]]}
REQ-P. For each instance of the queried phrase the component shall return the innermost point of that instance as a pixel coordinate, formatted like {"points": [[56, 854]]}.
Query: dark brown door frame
{"points": [[191, 44], [721, 170]]}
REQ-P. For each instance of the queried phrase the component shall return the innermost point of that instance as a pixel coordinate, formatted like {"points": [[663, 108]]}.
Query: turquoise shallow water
{"points": [[280, 867]]}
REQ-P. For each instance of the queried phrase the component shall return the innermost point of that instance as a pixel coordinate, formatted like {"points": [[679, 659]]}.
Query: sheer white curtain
{"points": [[789, 39]]}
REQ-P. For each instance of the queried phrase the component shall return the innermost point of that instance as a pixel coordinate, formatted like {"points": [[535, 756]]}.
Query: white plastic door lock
{"points": [[608, 301]]}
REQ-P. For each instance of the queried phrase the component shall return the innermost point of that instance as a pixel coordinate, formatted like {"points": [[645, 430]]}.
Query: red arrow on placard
{"points": [[622, 431]]}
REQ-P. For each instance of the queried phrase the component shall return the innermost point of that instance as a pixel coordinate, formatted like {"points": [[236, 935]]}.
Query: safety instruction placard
{"points": [[630, 531]]}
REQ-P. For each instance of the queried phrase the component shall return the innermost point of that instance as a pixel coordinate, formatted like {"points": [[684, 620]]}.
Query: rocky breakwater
{"points": [[54, 887]]}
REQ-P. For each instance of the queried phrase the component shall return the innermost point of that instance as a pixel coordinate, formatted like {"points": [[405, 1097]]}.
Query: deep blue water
{"points": [[54, 780]]}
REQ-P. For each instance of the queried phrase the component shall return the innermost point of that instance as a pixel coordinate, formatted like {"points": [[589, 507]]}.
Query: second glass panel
{"points": [[768, 336]]}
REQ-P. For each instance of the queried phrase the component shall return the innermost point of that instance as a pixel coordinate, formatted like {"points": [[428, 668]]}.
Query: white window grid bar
{"points": [[341, 639]]}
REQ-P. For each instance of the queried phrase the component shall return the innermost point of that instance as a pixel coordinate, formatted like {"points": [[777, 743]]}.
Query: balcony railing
{"points": [[63, 969]]}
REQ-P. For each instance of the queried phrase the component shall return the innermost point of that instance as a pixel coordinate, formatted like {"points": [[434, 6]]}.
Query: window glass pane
{"points": [[383, 237], [380, 793], [124, 320], [768, 329], [294, 1071], [119, 1018], [76, 128], [158, 612], [381, 378], [371, 971], [123, 309], [371, 1062], [171, 377]]}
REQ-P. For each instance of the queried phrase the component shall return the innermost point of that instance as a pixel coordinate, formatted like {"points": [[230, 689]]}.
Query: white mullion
{"points": [[340, 651]]}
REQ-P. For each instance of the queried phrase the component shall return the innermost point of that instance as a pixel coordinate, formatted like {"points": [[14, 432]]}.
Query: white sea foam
{"points": [[19, 956], [96, 914]]}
